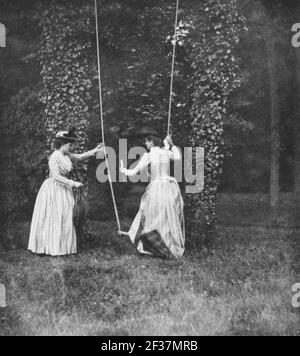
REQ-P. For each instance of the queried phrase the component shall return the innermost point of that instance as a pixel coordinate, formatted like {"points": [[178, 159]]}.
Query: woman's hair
{"points": [[157, 141], [59, 142]]}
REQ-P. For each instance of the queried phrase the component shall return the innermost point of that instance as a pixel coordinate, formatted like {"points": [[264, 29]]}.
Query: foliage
{"points": [[23, 153], [136, 83], [65, 71], [205, 75], [215, 77], [247, 133], [136, 44]]}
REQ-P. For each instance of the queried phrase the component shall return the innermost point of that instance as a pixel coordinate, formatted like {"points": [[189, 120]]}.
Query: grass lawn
{"points": [[240, 287]]}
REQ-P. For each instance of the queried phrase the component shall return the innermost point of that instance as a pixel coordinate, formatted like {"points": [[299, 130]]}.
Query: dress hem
{"points": [[53, 255]]}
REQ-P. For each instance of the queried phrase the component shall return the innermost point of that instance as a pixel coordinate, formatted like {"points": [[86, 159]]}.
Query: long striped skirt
{"points": [[52, 230], [158, 228]]}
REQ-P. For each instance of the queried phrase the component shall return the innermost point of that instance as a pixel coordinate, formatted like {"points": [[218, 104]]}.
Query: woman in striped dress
{"points": [[52, 230], [158, 228]]}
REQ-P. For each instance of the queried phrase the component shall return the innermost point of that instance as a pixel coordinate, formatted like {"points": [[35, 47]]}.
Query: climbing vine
{"points": [[65, 71], [207, 73], [215, 77]]}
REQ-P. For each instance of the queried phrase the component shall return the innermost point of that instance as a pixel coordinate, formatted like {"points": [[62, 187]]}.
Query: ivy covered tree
{"points": [[136, 46], [215, 76], [65, 70], [206, 75]]}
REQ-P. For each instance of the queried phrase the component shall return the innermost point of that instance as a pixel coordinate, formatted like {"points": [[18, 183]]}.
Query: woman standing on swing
{"points": [[52, 229], [158, 228]]}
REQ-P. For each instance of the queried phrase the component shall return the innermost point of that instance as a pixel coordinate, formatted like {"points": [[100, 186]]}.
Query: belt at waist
{"points": [[164, 179]]}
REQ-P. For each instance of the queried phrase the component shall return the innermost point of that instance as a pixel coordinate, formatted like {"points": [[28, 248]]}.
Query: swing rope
{"points": [[173, 69], [102, 119], [101, 100]]}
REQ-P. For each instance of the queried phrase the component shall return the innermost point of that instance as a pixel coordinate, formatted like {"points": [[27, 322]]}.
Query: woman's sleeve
{"points": [[143, 163], [175, 154], [81, 156], [54, 164]]}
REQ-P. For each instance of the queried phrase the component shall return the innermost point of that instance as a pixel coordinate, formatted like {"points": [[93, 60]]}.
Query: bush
{"points": [[23, 153]]}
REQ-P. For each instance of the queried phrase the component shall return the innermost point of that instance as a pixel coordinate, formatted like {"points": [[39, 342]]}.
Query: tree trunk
{"points": [[297, 133], [297, 127], [275, 136]]}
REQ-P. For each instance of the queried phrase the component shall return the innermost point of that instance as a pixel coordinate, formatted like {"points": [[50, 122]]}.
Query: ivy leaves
{"points": [[65, 71], [215, 77], [207, 73]]}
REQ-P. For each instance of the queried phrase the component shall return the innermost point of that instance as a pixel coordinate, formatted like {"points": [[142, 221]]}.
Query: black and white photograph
{"points": [[150, 170]]}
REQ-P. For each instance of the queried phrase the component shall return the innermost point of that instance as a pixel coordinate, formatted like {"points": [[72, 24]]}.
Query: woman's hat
{"points": [[68, 135]]}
